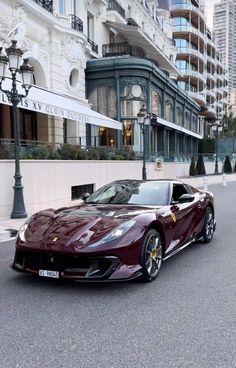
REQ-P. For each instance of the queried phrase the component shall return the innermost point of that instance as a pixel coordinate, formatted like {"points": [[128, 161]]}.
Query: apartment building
{"points": [[201, 64]]}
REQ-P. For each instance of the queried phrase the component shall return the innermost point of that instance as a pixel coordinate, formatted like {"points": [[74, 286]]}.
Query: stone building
{"points": [[96, 63]]}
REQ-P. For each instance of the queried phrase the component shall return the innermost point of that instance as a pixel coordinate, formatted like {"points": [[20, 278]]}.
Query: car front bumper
{"points": [[74, 266]]}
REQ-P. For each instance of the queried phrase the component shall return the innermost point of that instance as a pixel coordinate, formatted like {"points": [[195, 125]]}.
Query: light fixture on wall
{"points": [[13, 62]]}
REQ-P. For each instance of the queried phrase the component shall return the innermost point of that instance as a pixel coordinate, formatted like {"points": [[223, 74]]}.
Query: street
{"points": [[185, 318]]}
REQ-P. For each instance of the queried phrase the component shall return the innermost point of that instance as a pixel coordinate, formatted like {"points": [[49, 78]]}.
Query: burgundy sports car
{"points": [[122, 231]]}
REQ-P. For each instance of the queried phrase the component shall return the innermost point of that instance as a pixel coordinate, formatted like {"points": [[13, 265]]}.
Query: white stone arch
{"points": [[39, 74]]}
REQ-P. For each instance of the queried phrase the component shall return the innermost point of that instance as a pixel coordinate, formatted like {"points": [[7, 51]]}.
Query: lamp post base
{"points": [[18, 211], [144, 172]]}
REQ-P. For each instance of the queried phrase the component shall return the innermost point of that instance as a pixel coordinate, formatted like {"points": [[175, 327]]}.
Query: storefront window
{"points": [[187, 120], [179, 116], [128, 132], [103, 100], [130, 107], [107, 137], [169, 111], [156, 104], [28, 125]]}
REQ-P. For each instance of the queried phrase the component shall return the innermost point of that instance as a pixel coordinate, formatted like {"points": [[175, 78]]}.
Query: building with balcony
{"points": [[96, 63], [203, 75], [58, 44]]}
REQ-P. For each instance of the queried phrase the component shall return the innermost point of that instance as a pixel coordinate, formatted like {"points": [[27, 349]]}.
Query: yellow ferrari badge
{"points": [[173, 216]]}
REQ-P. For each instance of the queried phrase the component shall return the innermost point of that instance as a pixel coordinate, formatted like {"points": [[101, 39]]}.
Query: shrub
{"points": [[200, 167], [192, 169], [39, 152], [227, 168], [72, 152], [93, 153], [7, 151]]}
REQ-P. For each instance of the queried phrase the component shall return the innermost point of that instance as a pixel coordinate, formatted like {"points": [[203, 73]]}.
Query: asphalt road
{"points": [[185, 318]]}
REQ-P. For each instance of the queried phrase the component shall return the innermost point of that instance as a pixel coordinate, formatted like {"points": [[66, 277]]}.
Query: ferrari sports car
{"points": [[122, 231]]}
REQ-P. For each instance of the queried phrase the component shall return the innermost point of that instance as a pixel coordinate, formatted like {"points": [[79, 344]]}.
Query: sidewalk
{"points": [[8, 227]]}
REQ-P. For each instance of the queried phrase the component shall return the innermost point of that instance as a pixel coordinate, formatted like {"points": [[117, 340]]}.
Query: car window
{"points": [[178, 191], [132, 192]]}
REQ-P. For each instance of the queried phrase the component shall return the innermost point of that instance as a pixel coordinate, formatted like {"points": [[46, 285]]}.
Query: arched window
{"points": [[169, 111], [103, 100], [194, 123], [187, 120], [179, 116], [156, 103]]}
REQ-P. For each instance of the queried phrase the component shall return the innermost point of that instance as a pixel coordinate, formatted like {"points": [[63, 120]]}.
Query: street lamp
{"points": [[144, 120], [13, 61], [217, 127]]}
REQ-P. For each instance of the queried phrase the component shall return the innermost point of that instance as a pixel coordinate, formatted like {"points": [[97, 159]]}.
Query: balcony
{"points": [[121, 48], [132, 22], [114, 5], [46, 4], [191, 51], [188, 29], [94, 46], [76, 23]]}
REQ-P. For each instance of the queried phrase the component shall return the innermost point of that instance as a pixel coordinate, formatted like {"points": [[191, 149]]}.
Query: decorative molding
{"points": [[14, 27], [73, 50]]}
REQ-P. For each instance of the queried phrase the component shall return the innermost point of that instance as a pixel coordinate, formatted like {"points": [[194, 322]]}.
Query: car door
{"points": [[182, 216]]}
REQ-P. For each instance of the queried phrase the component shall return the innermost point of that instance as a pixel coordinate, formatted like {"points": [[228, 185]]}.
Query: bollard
{"points": [[205, 186], [224, 180]]}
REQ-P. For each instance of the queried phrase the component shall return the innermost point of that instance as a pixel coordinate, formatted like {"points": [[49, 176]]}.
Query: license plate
{"points": [[46, 273]]}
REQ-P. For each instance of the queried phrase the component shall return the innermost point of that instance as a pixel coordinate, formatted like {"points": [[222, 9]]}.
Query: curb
{"points": [[8, 234]]}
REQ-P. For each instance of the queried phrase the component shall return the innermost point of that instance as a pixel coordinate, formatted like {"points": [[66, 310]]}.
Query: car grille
{"points": [[69, 266]]}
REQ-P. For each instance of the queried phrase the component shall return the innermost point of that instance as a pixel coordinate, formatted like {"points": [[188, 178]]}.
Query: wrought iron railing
{"points": [[46, 4], [121, 48], [94, 46], [76, 23], [114, 5]]}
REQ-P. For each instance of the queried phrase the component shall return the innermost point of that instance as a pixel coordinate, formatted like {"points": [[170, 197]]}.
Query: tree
{"points": [[227, 168], [229, 122], [200, 167]]}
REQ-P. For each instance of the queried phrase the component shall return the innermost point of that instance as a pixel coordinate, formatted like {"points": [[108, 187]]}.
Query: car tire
{"points": [[151, 256], [208, 227]]}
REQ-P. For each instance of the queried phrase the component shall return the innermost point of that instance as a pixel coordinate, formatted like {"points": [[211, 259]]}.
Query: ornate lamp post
{"points": [[144, 120], [12, 62], [217, 127]]}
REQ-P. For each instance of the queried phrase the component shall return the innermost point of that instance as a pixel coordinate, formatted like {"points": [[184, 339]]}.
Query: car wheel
{"points": [[208, 227], [151, 256]]}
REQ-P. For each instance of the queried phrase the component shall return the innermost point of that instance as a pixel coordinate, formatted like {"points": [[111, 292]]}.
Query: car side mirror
{"points": [[85, 196], [185, 198]]}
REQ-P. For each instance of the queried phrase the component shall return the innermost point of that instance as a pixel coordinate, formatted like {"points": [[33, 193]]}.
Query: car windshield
{"points": [[131, 192]]}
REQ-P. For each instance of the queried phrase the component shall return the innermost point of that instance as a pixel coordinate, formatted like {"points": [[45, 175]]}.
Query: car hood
{"points": [[80, 226]]}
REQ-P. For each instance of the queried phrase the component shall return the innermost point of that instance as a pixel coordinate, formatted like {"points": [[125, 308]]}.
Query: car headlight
{"points": [[22, 231], [116, 233]]}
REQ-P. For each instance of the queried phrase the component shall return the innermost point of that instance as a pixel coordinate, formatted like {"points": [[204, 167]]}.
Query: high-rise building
{"points": [[224, 27], [203, 75]]}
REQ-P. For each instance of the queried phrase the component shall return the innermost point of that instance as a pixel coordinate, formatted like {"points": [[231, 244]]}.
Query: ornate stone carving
{"points": [[73, 50], [14, 28]]}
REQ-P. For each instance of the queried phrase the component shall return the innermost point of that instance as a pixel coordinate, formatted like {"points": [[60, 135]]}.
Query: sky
{"points": [[209, 4]]}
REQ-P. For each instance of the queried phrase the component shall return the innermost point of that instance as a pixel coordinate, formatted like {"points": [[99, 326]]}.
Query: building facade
{"points": [[203, 74], [224, 27], [96, 63]]}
